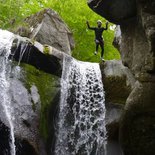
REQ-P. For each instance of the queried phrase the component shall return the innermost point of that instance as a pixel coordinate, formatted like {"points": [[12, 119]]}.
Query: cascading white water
{"points": [[81, 121], [6, 39]]}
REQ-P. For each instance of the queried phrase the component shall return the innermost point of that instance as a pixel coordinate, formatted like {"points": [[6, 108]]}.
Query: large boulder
{"points": [[36, 54], [118, 81], [48, 28], [116, 11], [137, 127], [32, 93], [137, 48]]}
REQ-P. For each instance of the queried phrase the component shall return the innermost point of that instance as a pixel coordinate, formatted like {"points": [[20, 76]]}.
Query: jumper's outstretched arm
{"points": [[91, 28], [106, 28]]}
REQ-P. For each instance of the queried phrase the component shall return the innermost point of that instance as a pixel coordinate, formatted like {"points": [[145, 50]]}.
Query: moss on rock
{"points": [[46, 50], [116, 89], [48, 87], [118, 81]]}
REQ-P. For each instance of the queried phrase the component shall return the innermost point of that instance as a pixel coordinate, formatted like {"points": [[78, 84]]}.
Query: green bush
{"points": [[74, 12]]}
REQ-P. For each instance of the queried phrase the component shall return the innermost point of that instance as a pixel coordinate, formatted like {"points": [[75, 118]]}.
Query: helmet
{"points": [[99, 21]]}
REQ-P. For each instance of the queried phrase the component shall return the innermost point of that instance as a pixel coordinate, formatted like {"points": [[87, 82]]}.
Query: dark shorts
{"points": [[101, 42]]}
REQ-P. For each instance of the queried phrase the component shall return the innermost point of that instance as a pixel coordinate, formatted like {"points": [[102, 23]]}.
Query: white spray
{"points": [[6, 39], [81, 122]]}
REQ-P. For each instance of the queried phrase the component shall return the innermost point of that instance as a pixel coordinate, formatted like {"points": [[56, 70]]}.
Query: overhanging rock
{"points": [[43, 57], [116, 11]]}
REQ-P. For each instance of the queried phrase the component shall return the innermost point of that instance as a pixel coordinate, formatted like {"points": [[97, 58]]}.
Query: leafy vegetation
{"points": [[74, 12]]}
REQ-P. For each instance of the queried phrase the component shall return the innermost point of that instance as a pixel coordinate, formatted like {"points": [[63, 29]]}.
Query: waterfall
{"points": [[80, 128], [6, 39]]}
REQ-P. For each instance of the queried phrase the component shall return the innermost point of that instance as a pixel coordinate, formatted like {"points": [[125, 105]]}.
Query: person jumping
{"points": [[98, 36]]}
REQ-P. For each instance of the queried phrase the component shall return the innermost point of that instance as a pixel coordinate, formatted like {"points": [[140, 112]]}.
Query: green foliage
{"points": [[9, 11], [74, 12]]}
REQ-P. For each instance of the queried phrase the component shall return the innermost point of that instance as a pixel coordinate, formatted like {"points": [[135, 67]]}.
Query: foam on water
{"points": [[6, 39], [81, 121]]}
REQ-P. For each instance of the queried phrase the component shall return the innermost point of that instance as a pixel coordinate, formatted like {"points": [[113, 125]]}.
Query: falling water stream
{"points": [[80, 128], [81, 121], [6, 39]]}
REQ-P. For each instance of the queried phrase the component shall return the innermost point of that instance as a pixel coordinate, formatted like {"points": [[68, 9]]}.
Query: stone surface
{"points": [[48, 28], [23, 147], [31, 93], [116, 11], [117, 38], [118, 81], [138, 54], [138, 40], [118, 84], [4, 140], [113, 114], [46, 88], [43, 61], [137, 50], [138, 121]]}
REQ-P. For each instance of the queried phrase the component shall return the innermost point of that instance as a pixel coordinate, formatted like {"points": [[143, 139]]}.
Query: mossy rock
{"points": [[118, 81], [116, 89], [48, 86]]}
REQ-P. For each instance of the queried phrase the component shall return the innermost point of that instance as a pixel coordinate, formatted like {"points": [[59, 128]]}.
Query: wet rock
{"points": [[32, 93], [138, 54], [118, 81], [113, 115], [48, 28], [137, 50], [27, 53], [52, 115], [137, 125], [23, 147], [4, 139], [118, 84]]}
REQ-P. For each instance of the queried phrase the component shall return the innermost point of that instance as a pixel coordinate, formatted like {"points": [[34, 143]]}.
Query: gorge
{"points": [[53, 104]]}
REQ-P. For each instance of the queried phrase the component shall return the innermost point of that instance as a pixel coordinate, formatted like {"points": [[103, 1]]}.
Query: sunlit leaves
{"points": [[74, 12]]}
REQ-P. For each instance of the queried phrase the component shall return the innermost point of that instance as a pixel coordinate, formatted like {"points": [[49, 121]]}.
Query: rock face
{"points": [[48, 28], [118, 83], [116, 11], [22, 146], [32, 93], [137, 127], [137, 50], [48, 88], [32, 55]]}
